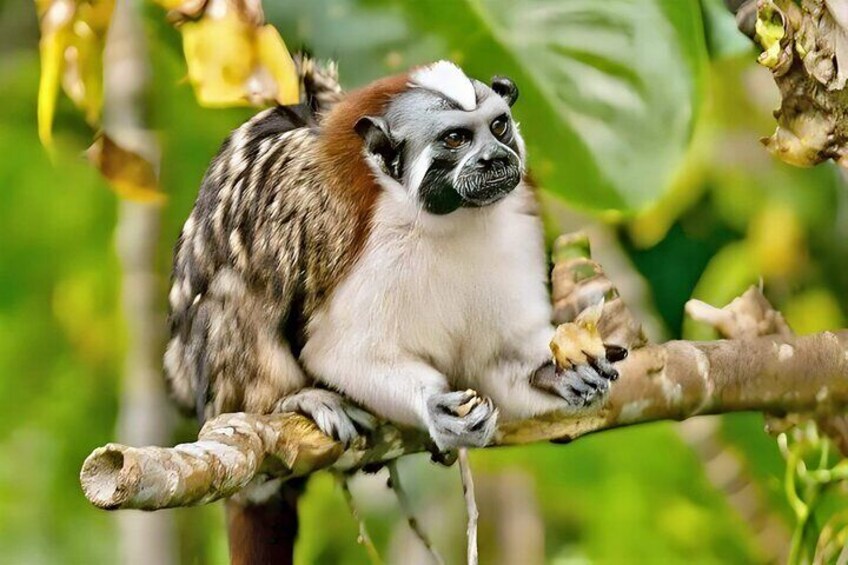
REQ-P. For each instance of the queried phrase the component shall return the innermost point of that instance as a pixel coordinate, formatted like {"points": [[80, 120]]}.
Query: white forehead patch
{"points": [[447, 79]]}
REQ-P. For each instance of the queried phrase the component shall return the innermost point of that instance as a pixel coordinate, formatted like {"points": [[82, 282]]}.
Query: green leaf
{"points": [[609, 88]]}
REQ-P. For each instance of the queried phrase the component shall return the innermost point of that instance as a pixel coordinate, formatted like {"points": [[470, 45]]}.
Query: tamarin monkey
{"points": [[384, 252]]}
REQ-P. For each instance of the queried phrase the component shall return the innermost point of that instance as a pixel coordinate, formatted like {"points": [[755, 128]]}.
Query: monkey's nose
{"points": [[492, 157], [490, 162]]}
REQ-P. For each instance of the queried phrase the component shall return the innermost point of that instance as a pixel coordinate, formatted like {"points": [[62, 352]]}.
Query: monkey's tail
{"points": [[262, 523], [320, 88]]}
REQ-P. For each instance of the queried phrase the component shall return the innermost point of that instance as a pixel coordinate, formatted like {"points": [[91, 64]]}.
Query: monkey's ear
{"points": [[375, 133], [505, 88], [378, 141]]}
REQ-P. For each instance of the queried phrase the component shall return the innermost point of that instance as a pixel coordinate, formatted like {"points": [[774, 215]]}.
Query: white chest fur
{"points": [[455, 292]]}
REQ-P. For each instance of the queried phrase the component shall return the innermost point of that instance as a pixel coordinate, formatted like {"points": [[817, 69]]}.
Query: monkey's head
{"points": [[448, 140]]}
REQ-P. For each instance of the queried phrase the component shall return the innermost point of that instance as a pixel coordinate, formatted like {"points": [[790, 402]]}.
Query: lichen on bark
{"points": [[805, 45]]}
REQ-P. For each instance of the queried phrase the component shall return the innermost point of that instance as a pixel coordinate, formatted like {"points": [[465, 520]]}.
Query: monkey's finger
{"points": [[590, 377], [463, 409], [480, 413], [450, 403], [604, 368], [361, 418], [327, 421], [345, 431], [573, 390]]}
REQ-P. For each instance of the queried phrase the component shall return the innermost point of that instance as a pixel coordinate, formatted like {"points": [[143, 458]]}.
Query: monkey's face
{"points": [[469, 159], [452, 147]]}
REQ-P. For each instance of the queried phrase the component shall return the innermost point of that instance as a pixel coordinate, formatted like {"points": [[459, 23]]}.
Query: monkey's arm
{"points": [[527, 382], [408, 392]]}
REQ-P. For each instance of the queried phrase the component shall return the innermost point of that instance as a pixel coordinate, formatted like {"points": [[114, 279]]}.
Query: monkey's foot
{"points": [[583, 383], [331, 412], [461, 419]]}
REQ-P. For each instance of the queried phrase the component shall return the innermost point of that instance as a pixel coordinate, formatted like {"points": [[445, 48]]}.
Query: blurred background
{"points": [[642, 119]]}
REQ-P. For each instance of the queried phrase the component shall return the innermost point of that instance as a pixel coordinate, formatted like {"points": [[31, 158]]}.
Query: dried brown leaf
{"points": [[129, 174]]}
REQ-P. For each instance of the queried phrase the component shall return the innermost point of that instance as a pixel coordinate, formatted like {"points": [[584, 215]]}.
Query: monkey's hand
{"points": [[581, 371], [331, 412], [461, 419]]}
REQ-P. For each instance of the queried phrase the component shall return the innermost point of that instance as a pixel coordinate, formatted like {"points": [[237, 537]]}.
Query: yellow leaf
{"points": [[174, 4], [274, 56], [233, 60], [220, 57], [180, 11], [71, 47], [97, 14], [129, 174], [55, 20], [82, 79], [51, 48]]}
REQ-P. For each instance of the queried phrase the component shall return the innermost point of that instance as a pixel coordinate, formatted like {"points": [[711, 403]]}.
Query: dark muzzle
{"points": [[489, 177]]}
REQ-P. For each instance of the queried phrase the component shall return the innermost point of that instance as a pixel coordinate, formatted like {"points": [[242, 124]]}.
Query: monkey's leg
{"points": [[579, 386], [407, 392], [527, 383], [232, 357], [333, 415], [461, 419], [582, 368]]}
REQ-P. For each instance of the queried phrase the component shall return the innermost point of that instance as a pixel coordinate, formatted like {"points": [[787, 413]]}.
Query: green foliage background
{"points": [[730, 215]]}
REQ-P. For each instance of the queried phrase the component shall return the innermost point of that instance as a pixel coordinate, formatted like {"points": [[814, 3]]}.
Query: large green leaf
{"points": [[609, 88]]}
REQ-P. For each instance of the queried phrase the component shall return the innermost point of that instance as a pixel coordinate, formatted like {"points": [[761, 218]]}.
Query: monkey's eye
{"points": [[500, 126], [456, 138]]}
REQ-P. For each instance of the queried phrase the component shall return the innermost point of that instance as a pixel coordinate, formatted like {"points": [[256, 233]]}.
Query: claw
{"points": [[615, 353], [603, 367], [463, 409]]}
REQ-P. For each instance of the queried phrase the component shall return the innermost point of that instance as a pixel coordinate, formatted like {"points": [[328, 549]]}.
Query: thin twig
{"points": [[406, 508], [470, 504], [363, 539]]}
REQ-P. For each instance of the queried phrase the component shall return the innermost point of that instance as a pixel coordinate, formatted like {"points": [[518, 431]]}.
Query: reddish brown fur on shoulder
{"points": [[341, 146]]}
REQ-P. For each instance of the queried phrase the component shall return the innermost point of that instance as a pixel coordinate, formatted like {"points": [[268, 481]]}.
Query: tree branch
{"points": [[673, 381], [677, 380], [805, 45]]}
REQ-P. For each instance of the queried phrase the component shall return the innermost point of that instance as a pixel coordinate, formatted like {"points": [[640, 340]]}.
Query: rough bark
{"points": [[677, 380], [805, 45]]}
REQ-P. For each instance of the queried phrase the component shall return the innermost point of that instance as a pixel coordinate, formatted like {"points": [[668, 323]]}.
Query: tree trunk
{"points": [[144, 415]]}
